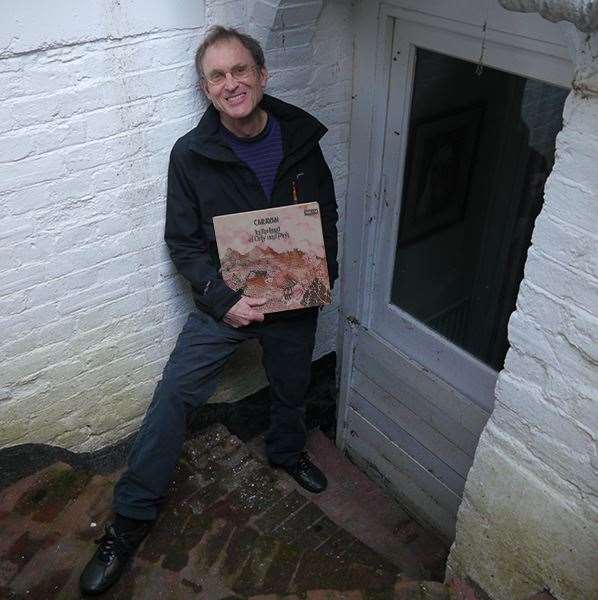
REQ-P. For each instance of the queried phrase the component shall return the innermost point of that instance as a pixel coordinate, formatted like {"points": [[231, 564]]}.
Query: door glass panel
{"points": [[480, 148]]}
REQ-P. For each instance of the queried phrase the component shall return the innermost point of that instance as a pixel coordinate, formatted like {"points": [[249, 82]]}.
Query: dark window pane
{"points": [[480, 149]]}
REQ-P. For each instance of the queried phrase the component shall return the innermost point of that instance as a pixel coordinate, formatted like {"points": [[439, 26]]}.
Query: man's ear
{"points": [[202, 89], [263, 76], [203, 86]]}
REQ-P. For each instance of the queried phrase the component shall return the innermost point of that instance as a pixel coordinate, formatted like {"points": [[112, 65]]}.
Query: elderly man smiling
{"points": [[250, 151]]}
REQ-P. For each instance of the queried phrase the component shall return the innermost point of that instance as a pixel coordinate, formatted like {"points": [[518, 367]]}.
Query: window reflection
{"points": [[480, 149]]}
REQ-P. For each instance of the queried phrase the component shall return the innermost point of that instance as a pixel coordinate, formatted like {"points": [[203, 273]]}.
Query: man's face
{"points": [[233, 99]]}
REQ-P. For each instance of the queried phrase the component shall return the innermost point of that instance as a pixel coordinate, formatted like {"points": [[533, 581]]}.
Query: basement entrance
{"points": [[467, 149]]}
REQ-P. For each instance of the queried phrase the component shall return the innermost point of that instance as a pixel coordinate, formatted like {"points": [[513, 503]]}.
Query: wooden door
{"points": [[458, 160]]}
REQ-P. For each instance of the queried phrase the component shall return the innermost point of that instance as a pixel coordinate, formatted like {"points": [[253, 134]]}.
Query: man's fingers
{"points": [[243, 313], [235, 321], [255, 301], [256, 316]]}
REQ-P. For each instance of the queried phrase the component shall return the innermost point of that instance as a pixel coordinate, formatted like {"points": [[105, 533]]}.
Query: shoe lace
{"points": [[304, 460], [106, 547]]}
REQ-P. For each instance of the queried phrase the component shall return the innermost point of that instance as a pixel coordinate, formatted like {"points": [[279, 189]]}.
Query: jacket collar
{"points": [[300, 131]]}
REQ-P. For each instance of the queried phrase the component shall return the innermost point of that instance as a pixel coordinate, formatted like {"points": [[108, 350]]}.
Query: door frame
{"points": [[540, 55]]}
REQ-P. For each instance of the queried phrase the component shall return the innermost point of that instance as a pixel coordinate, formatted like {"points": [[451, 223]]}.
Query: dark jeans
{"points": [[188, 381]]}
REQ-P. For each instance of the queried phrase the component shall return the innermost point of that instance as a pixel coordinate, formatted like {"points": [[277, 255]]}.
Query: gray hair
{"points": [[219, 33]]}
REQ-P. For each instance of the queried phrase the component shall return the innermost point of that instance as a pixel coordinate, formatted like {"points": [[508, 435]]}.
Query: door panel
{"points": [[427, 430], [411, 423], [392, 390], [394, 371], [421, 493], [465, 156], [406, 437]]}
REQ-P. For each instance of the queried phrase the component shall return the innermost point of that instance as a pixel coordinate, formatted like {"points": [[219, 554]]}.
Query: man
{"points": [[250, 151]]}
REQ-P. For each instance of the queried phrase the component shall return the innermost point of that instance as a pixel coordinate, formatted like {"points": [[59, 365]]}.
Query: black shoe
{"points": [[306, 474], [115, 548]]}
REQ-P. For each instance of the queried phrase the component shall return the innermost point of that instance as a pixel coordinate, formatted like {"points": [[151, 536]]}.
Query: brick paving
{"points": [[233, 528]]}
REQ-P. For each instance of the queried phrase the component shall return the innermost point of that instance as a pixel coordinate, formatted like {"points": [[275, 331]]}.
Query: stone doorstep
{"points": [[233, 528]]}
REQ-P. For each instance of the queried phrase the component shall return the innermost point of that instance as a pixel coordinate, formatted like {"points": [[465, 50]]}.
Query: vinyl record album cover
{"points": [[277, 254]]}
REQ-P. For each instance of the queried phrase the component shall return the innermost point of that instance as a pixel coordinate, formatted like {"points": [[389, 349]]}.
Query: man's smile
{"points": [[236, 98]]}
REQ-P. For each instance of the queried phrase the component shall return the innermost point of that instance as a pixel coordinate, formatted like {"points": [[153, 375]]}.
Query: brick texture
{"points": [[232, 528], [528, 518], [90, 305]]}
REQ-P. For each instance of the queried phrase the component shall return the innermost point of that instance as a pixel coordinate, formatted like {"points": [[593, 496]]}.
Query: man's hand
{"points": [[244, 312]]}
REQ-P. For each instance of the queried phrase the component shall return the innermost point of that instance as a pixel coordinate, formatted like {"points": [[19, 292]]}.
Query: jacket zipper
{"points": [[296, 189]]}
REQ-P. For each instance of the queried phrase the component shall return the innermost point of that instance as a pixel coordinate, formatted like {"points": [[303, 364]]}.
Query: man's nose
{"points": [[230, 82]]}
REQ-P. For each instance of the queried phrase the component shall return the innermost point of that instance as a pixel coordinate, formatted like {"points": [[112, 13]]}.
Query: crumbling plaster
{"points": [[582, 13]]}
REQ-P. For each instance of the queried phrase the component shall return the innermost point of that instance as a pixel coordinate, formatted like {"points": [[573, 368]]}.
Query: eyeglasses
{"points": [[238, 73]]}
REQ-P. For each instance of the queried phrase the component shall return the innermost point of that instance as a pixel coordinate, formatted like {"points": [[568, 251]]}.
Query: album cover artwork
{"points": [[277, 254]]}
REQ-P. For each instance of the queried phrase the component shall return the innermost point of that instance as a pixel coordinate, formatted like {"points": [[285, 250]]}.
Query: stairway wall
{"points": [[528, 520], [92, 99]]}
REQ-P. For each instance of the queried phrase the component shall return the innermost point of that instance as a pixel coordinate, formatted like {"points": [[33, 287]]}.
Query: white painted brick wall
{"points": [[529, 518], [90, 305]]}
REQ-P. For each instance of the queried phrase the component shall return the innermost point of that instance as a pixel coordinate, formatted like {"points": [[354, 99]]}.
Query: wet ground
{"points": [[233, 528]]}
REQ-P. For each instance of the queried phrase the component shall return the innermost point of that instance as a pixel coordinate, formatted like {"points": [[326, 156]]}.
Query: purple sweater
{"points": [[262, 153]]}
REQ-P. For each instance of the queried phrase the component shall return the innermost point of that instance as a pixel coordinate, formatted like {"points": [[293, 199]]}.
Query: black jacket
{"points": [[206, 179]]}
